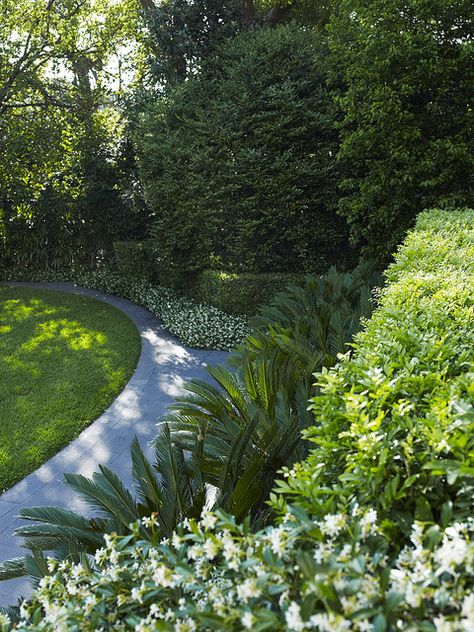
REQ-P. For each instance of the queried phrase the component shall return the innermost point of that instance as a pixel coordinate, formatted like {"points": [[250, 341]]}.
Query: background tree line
{"points": [[249, 136]]}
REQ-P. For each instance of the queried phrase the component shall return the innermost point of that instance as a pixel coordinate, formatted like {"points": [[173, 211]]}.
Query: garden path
{"points": [[165, 365]]}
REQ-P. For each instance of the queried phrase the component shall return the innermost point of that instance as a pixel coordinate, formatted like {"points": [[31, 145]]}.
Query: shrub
{"points": [[405, 85], [238, 162], [133, 259], [380, 536], [323, 574], [395, 422], [240, 293]]}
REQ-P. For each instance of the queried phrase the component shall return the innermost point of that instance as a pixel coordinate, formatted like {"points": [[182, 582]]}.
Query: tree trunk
{"points": [[248, 12], [279, 13]]}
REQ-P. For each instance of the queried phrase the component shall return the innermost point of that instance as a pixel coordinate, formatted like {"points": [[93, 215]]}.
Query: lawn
{"points": [[63, 360]]}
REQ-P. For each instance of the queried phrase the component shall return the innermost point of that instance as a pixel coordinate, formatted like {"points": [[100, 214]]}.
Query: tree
{"points": [[60, 69], [238, 163], [405, 89], [186, 32]]}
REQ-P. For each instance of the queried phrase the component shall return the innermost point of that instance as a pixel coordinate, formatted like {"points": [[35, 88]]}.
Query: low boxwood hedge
{"points": [[241, 293], [377, 527]]}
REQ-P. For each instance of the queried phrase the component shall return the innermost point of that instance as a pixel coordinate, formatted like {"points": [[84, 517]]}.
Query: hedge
{"points": [[241, 293], [195, 324], [381, 534], [134, 259], [395, 422]]}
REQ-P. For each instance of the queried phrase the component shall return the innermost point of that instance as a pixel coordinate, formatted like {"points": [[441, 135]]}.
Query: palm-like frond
{"points": [[250, 419], [221, 443]]}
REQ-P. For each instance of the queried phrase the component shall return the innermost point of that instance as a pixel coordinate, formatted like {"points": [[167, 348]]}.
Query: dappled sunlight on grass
{"points": [[63, 359], [75, 335]]}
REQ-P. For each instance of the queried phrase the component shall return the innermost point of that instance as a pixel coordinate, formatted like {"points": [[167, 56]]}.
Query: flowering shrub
{"points": [[328, 574], [395, 421], [195, 324]]}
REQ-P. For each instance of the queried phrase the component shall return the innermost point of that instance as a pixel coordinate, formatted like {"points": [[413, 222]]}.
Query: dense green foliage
{"points": [[394, 423], [134, 259], [64, 358], [194, 157], [405, 84], [231, 292], [240, 293], [233, 435], [376, 530], [308, 573], [245, 427], [238, 163]]}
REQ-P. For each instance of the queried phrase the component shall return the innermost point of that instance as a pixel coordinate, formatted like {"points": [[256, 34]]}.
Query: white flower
{"points": [[332, 524], [442, 625], [162, 576], [247, 620], [187, 625], [51, 565], [293, 617], [368, 523], [210, 548], [450, 554], [100, 556], [248, 590], [468, 609], [136, 595], [276, 536], [24, 612], [149, 521], [176, 541], [208, 520]]}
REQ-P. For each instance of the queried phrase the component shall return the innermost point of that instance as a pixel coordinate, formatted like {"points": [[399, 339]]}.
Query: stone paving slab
{"points": [[163, 368]]}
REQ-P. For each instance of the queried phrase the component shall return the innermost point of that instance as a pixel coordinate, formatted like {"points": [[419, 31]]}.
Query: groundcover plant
{"points": [[63, 359]]}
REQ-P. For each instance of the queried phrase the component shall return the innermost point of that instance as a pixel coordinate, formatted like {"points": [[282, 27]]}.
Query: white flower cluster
{"points": [[195, 324], [327, 575]]}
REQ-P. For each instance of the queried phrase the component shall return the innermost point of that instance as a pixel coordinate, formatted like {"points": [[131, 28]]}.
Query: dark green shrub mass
{"points": [[239, 163], [133, 259], [406, 97], [241, 293]]}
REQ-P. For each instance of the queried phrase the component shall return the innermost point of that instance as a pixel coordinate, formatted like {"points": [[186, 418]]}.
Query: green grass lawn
{"points": [[63, 360]]}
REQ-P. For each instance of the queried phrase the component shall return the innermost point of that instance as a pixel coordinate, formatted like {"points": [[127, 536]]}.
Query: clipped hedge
{"points": [[241, 293], [195, 324], [395, 422], [134, 259]]}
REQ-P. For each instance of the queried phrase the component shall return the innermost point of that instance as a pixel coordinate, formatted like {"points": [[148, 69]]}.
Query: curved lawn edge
{"points": [[163, 367], [68, 357], [195, 324]]}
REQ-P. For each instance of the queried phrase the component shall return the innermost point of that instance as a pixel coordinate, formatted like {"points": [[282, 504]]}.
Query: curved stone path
{"points": [[165, 365]]}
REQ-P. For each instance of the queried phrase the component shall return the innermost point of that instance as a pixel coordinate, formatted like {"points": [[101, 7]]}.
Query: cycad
{"points": [[221, 444], [247, 427], [169, 488], [249, 423]]}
